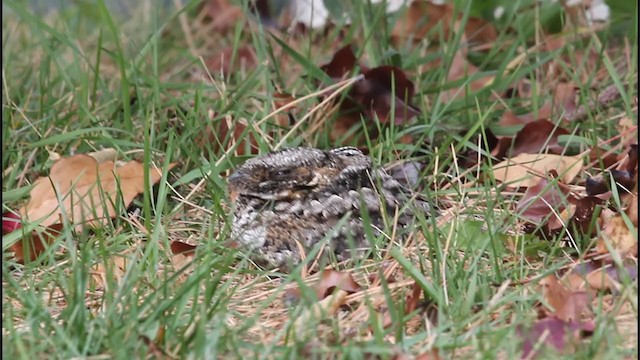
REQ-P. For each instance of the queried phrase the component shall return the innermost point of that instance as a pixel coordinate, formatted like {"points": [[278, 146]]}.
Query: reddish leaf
{"points": [[631, 163], [412, 300], [429, 355], [384, 90], [391, 78], [410, 305], [10, 222], [282, 99], [537, 136], [583, 213], [33, 244], [558, 334], [487, 141], [510, 119], [221, 14], [477, 30], [540, 200], [179, 247], [418, 20], [597, 155], [600, 185], [343, 61]]}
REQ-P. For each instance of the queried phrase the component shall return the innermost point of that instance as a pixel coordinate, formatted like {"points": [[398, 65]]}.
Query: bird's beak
{"points": [[234, 177]]}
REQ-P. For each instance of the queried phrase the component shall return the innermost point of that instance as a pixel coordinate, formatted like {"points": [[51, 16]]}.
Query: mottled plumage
{"points": [[301, 195]]}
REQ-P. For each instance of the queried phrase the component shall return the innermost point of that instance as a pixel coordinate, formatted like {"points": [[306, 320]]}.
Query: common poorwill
{"points": [[306, 196]]}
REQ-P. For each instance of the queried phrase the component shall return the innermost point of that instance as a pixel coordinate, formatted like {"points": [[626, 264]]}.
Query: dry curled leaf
{"points": [[599, 276], [525, 170], [81, 190], [89, 190], [180, 247], [618, 236], [331, 280], [384, 92], [31, 245], [342, 62], [104, 155], [566, 304], [535, 137]]}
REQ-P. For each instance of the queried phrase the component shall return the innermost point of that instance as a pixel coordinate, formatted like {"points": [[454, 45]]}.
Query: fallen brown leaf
{"points": [[342, 62], [421, 17], [220, 13], [385, 91], [617, 234], [560, 335], [535, 137], [331, 280], [227, 63], [599, 275], [179, 247], [429, 355], [526, 170], [541, 202], [33, 244], [81, 189], [567, 304], [89, 190]]}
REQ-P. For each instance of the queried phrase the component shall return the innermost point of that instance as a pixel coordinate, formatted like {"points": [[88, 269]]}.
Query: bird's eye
{"points": [[282, 172]]}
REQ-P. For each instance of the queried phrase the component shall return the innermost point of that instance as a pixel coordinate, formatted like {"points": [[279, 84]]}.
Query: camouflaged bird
{"points": [[306, 196]]}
